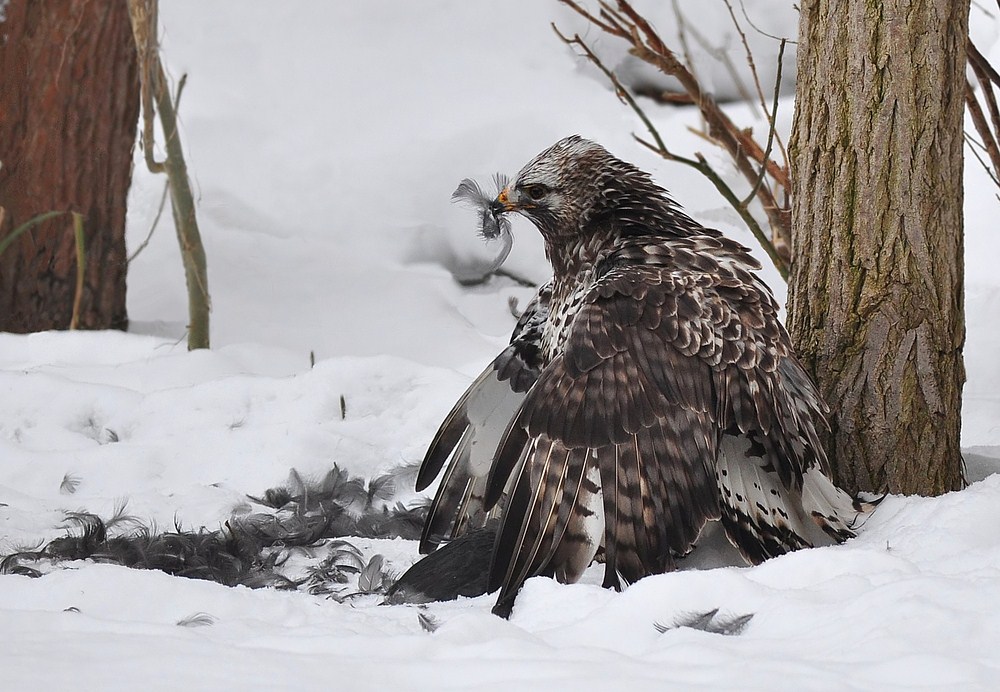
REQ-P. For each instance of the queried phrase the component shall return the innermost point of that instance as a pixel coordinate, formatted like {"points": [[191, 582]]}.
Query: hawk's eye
{"points": [[536, 192]]}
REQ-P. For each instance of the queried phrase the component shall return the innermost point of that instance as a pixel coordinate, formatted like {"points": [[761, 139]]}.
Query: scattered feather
{"points": [[11, 564], [197, 620], [69, 484], [381, 489], [428, 622], [710, 622], [371, 578]]}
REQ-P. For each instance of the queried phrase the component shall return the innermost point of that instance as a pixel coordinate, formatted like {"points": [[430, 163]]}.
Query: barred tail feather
{"points": [[765, 518], [550, 526]]}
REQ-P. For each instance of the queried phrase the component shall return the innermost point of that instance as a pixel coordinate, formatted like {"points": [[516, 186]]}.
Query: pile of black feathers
{"points": [[306, 518]]}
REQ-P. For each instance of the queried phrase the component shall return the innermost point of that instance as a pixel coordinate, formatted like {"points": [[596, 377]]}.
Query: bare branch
{"points": [[987, 77], [620, 91], [752, 161], [721, 55], [144, 32], [772, 118], [682, 35], [756, 80], [590, 18], [989, 130], [973, 145], [152, 226]]}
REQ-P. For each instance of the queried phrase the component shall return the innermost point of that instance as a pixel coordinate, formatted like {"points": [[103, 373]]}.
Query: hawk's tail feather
{"points": [[509, 458], [832, 509], [633, 546], [638, 497], [758, 511], [687, 486], [547, 509], [764, 517]]}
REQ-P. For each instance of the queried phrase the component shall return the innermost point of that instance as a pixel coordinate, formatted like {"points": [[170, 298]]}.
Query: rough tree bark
{"points": [[876, 296], [69, 104]]}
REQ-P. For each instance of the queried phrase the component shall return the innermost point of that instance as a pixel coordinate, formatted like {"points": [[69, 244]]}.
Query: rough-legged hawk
{"points": [[648, 388]]}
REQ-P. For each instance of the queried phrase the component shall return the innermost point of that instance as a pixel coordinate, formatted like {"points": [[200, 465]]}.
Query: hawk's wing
{"points": [[618, 439], [467, 439]]}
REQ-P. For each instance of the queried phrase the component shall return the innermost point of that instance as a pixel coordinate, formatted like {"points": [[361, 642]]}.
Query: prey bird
{"points": [[647, 389]]}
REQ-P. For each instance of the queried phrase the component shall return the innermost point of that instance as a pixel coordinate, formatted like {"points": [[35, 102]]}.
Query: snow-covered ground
{"points": [[325, 139]]}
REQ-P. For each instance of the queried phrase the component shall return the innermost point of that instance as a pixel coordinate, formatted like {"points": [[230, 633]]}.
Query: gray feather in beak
{"points": [[494, 223]]}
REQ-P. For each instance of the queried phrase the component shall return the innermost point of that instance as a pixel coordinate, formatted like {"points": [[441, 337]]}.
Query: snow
{"points": [[325, 140]]}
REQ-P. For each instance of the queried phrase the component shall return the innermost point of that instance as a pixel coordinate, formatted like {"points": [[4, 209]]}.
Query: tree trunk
{"points": [[69, 105], [876, 295]]}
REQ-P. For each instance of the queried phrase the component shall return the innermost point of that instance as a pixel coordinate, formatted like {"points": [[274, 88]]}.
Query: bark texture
{"points": [[876, 294], [69, 105]]}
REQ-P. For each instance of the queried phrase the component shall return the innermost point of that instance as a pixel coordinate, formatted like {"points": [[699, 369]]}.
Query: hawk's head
{"points": [[577, 188], [557, 188]]}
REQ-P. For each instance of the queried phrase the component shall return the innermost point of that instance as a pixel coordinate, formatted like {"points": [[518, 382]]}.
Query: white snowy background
{"points": [[324, 140]]}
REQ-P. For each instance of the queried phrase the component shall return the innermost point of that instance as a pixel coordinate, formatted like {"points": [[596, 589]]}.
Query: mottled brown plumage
{"points": [[648, 389]]}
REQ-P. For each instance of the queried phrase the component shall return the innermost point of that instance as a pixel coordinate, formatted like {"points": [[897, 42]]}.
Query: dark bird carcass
{"points": [[647, 389]]}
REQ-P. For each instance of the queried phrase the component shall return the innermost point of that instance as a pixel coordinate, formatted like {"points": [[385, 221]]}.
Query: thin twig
{"points": [[772, 118], [591, 18], [682, 36], [749, 54], [987, 77], [980, 60], [8, 239], [623, 94], [760, 31], [152, 227], [756, 80], [144, 32], [166, 185], [979, 6], [982, 162], [721, 55], [990, 145]]}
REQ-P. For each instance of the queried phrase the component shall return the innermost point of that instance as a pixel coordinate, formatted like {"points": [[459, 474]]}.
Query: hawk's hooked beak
{"points": [[503, 202]]}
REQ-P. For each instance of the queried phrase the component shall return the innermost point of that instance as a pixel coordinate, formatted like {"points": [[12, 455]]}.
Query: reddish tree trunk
{"points": [[69, 105]]}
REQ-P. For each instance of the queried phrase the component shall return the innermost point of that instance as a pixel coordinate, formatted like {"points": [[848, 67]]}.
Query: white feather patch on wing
{"points": [[488, 410]]}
